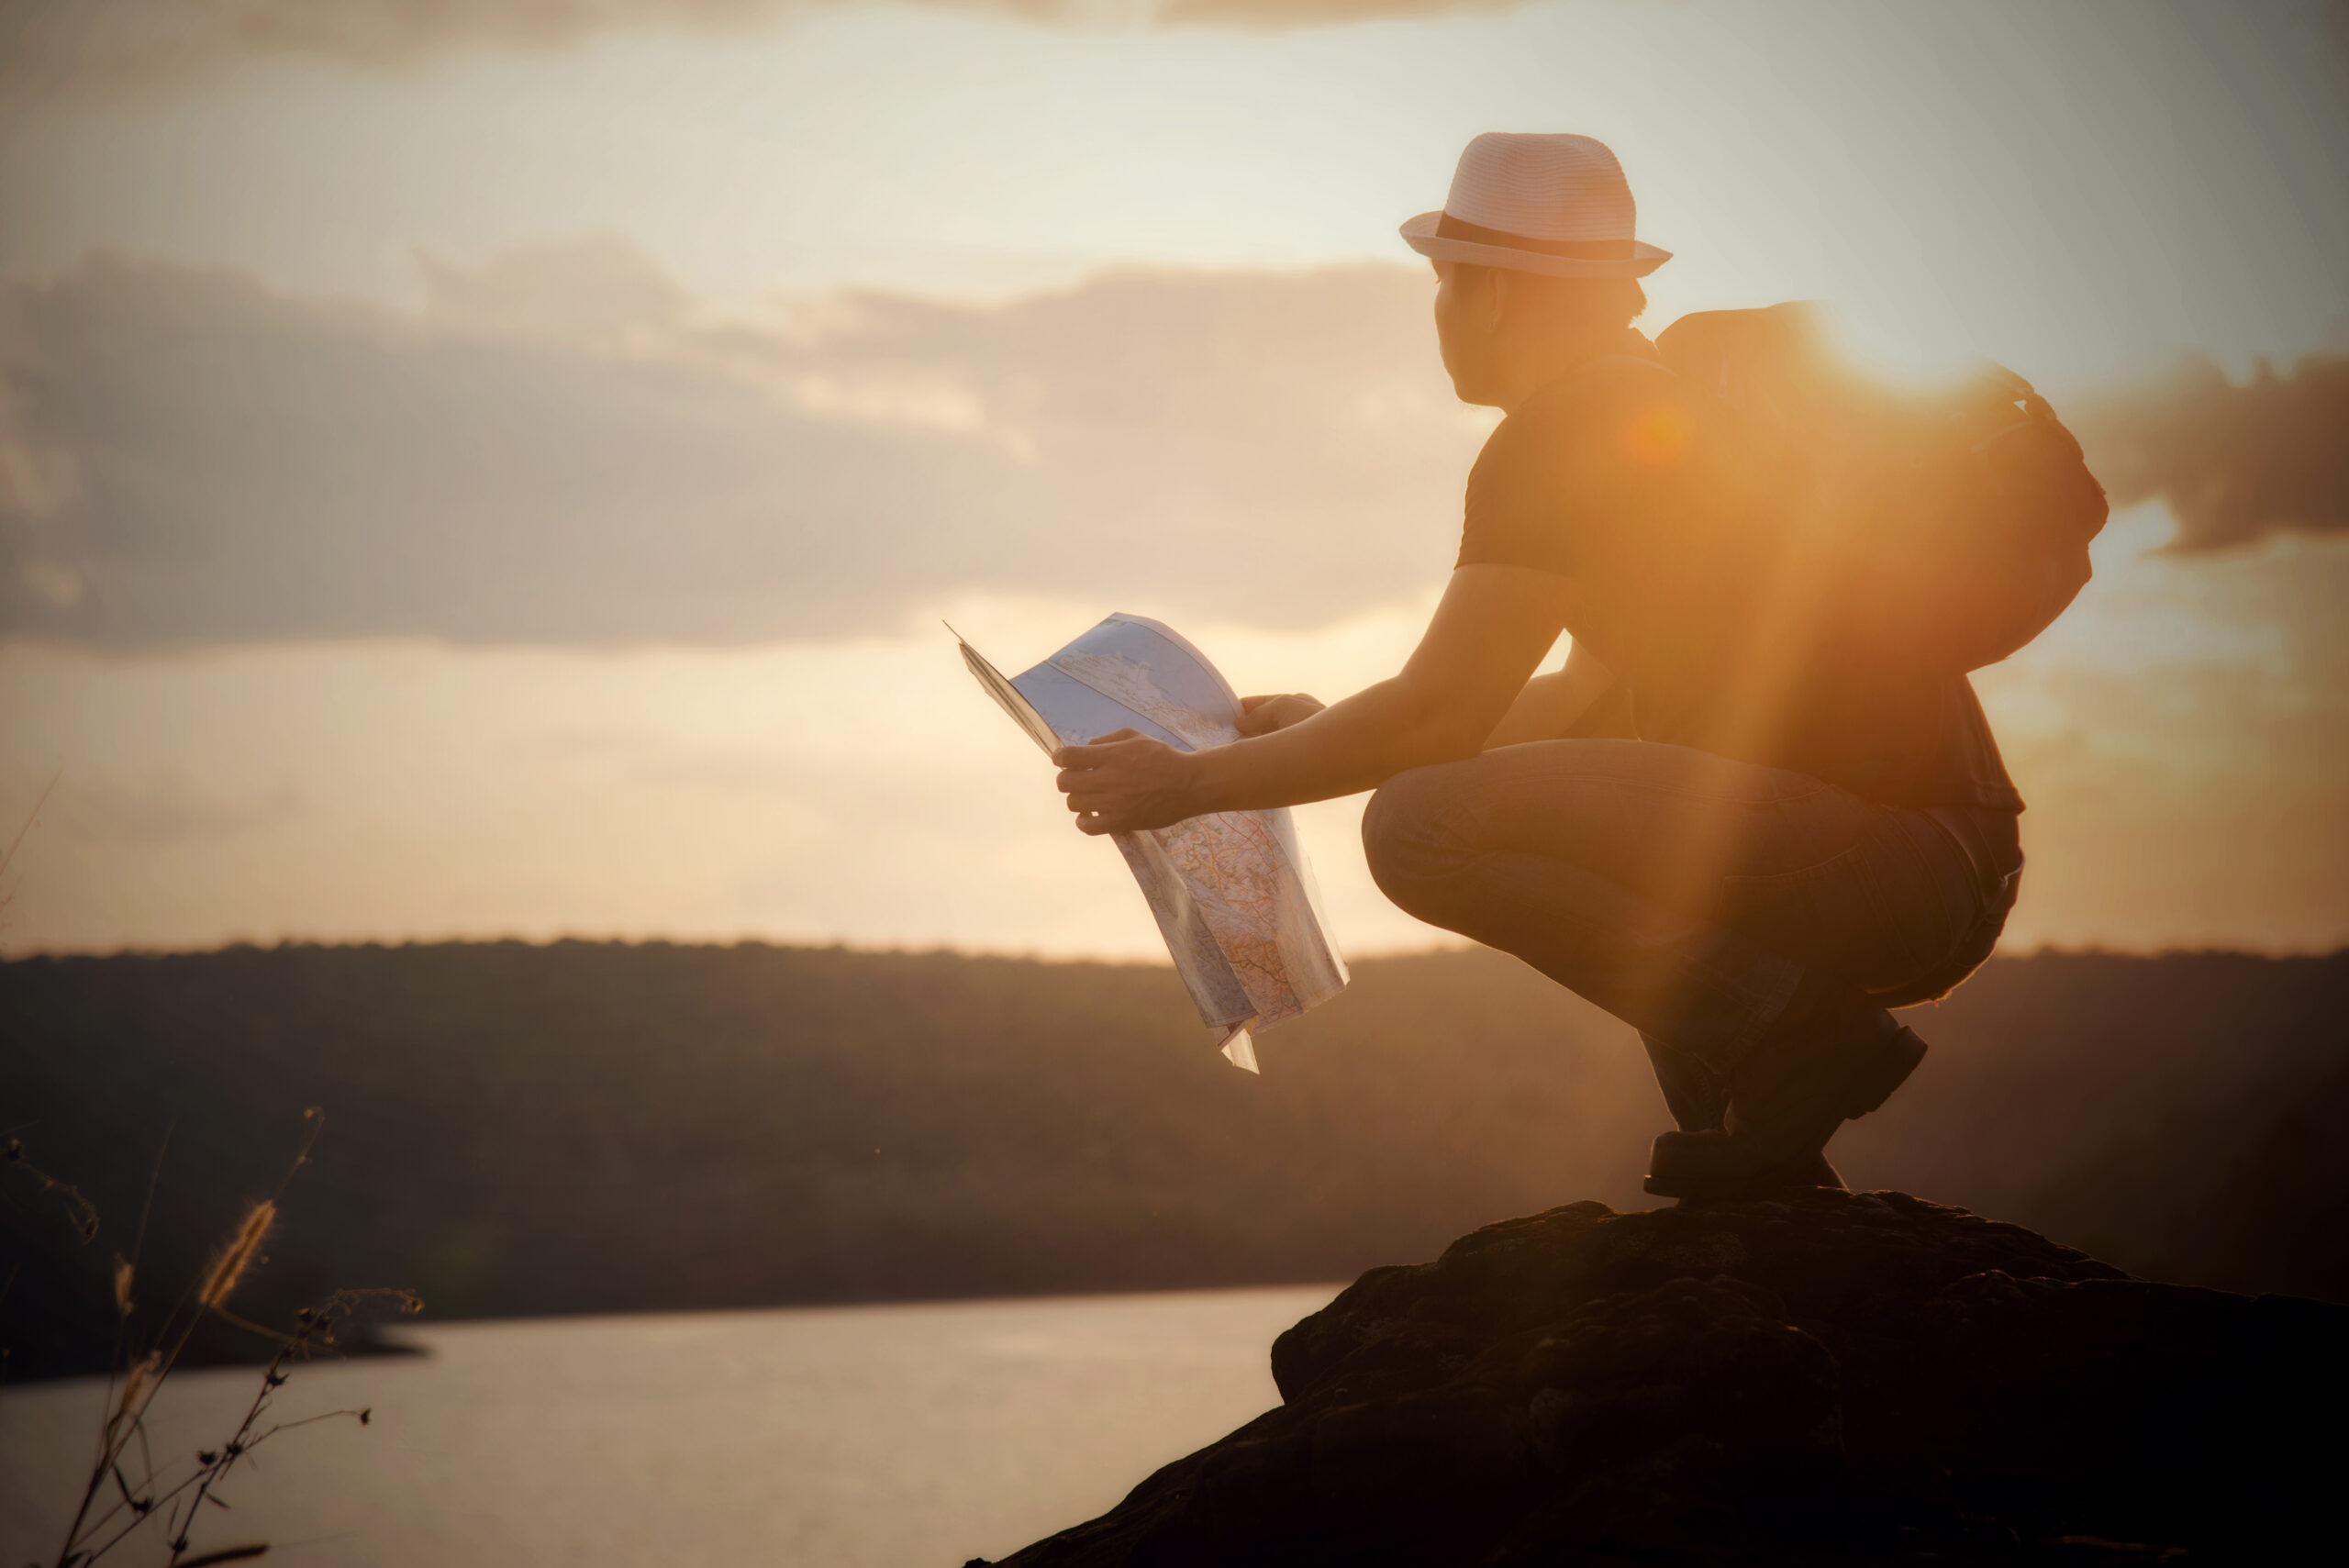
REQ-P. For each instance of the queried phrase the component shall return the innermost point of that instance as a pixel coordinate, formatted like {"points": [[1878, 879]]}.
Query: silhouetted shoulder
{"points": [[1588, 452]]}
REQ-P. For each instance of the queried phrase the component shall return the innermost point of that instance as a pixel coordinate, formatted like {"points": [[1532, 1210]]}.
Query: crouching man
{"points": [[1706, 823]]}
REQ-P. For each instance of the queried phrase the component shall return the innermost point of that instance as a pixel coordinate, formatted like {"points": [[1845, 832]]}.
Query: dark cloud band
{"points": [[553, 453], [72, 45], [557, 451], [2235, 463]]}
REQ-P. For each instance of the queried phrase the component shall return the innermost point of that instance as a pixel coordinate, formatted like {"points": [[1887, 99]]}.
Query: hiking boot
{"points": [[1804, 1170], [1788, 1100], [1693, 1092], [1794, 1097]]}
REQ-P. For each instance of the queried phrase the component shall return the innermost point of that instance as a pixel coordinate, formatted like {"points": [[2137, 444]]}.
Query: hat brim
{"points": [[1420, 235]]}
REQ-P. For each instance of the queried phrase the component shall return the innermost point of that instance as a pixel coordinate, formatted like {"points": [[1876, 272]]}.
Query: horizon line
{"points": [[1029, 955]]}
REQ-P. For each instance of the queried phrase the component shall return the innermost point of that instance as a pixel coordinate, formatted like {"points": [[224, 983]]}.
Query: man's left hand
{"points": [[1125, 782]]}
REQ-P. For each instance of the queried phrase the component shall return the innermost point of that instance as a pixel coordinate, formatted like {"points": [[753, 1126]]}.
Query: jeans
{"points": [[1692, 895]]}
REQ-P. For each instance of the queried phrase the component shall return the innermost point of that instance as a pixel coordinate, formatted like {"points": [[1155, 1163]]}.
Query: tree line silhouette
{"points": [[522, 1129]]}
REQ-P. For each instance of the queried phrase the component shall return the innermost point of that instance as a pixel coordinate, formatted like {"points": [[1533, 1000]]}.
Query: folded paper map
{"points": [[1232, 892]]}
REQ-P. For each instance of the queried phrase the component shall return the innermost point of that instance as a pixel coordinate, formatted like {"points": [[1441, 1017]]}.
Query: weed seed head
{"points": [[136, 1382], [238, 1255]]}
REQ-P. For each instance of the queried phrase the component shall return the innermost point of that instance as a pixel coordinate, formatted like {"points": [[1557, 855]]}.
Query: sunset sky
{"points": [[499, 468]]}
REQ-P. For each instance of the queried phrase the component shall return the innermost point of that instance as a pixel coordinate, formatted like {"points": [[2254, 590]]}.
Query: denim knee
{"points": [[1403, 839]]}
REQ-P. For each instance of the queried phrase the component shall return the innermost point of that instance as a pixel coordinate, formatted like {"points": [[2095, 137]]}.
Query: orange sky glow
{"points": [[501, 473]]}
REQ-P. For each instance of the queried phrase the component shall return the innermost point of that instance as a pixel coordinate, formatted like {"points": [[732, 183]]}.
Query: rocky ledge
{"points": [[1826, 1377]]}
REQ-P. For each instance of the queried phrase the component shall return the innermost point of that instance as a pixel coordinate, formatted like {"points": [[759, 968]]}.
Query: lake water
{"points": [[869, 1437]]}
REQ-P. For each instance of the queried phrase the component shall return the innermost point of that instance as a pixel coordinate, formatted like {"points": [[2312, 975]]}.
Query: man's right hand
{"points": [[1261, 716]]}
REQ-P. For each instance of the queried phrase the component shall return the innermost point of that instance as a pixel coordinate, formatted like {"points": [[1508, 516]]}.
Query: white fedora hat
{"points": [[1557, 205]]}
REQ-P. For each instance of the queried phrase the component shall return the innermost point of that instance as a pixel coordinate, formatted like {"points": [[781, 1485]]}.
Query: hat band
{"points": [[1449, 227]]}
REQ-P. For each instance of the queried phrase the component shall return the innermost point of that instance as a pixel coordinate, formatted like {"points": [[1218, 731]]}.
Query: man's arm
{"points": [[1487, 634], [1550, 704]]}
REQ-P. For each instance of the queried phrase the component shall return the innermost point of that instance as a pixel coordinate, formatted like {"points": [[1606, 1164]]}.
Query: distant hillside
{"points": [[590, 1127]]}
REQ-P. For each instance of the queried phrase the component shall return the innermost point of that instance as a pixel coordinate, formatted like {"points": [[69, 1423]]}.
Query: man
{"points": [[1702, 823]]}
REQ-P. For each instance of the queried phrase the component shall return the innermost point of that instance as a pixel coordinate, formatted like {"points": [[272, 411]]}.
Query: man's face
{"points": [[1464, 322]]}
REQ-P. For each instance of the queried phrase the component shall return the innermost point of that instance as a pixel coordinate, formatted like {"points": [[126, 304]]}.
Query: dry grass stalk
{"points": [[154, 1495], [137, 1383], [238, 1255], [85, 1214]]}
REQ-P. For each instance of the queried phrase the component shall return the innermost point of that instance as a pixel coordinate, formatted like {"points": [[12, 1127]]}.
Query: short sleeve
{"points": [[1519, 508], [1566, 483]]}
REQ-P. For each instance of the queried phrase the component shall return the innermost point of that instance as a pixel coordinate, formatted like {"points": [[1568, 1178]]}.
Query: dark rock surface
{"points": [[1827, 1377]]}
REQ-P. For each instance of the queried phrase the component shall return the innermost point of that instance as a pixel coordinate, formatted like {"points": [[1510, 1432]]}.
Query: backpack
{"points": [[1943, 531]]}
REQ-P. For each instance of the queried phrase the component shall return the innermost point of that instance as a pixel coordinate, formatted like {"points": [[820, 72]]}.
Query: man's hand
{"points": [[1490, 629], [1261, 716], [1125, 782]]}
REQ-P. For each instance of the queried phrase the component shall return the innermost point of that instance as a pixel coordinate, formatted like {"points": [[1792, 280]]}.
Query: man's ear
{"points": [[1504, 295]]}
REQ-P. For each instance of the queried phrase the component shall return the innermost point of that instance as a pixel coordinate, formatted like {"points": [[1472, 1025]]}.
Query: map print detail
{"points": [[1128, 681], [1232, 892]]}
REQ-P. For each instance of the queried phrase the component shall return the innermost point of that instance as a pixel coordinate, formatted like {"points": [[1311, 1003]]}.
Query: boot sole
{"points": [[1758, 1185]]}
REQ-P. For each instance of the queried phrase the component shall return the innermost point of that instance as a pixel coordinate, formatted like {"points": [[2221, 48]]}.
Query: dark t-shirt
{"points": [[1614, 476]]}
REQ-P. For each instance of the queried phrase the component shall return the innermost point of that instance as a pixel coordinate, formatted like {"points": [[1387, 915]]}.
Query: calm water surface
{"points": [[870, 1437]]}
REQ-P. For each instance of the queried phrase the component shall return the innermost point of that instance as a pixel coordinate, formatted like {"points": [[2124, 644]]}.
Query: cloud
{"points": [[2234, 462], [561, 447], [66, 44], [113, 45], [559, 450], [1284, 13], [2182, 735], [166, 807]]}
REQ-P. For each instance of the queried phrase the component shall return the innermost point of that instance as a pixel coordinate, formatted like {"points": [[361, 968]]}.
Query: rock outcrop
{"points": [[1826, 1377]]}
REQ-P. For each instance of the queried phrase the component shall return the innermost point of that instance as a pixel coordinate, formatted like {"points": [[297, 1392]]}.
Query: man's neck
{"points": [[1545, 364]]}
